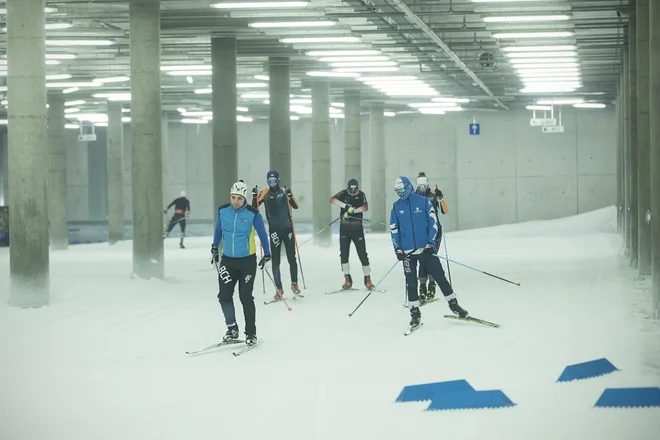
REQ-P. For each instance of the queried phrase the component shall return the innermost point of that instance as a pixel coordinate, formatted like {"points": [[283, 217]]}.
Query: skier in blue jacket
{"points": [[237, 222], [414, 227]]}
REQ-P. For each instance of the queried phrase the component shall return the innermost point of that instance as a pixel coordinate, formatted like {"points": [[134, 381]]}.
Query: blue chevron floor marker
{"points": [[418, 393], [470, 400], [586, 370], [629, 398]]}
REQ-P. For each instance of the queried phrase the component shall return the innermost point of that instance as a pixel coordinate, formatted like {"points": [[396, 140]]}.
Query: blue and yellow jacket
{"points": [[413, 222], [237, 227]]}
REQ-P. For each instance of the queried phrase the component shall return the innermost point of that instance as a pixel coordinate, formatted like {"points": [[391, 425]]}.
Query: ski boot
{"points": [[279, 294], [295, 289], [367, 282], [181, 246], [422, 293], [251, 339], [348, 281], [415, 316], [232, 333], [431, 291], [458, 310]]}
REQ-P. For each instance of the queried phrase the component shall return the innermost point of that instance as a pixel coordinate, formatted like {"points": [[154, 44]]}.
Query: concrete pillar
{"points": [[146, 136], [654, 47], [225, 127], [634, 205], [165, 143], [279, 121], [378, 184], [352, 137], [78, 179], [321, 184], [57, 190], [619, 159], [29, 264], [97, 170], [115, 174], [4, 170], [626, 149], [643, 139]]}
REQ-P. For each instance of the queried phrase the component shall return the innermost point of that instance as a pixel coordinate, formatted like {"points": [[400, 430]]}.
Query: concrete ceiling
{"points": [[450, 45]]}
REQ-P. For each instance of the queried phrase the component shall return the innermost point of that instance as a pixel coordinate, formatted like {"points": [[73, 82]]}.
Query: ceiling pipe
{"points": [[450, 53]]}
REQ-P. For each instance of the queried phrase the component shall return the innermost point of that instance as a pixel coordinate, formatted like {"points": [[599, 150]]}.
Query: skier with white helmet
{"points": [[236, 225], [181, 209], [413, 228]]}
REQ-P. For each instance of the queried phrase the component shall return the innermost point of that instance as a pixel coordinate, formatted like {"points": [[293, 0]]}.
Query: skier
{"points": [[353, 203], [413, 227], [279, 201], [237, 222], [439, 206], [181, 209]]}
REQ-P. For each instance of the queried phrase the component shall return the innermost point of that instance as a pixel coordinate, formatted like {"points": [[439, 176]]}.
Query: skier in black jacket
{"points": [[353, 203], [279, 201], [181, 209]]}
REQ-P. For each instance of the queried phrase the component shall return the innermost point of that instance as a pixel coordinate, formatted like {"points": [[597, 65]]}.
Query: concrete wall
{"points": [[510, 173]]}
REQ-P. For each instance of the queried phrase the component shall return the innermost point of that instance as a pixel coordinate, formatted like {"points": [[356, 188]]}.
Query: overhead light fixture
{"points": [[366, 69], [189, 79], [70, 90], [539, 48], [119, 96], [504, 1], [546, 65], [548, 70], [262, 77], [354, 58], [255, 95], [52, 26], [250, 85], [242, 109], [72, 103], [389, 114], [241, 118], [207, 91], [125, 110], [294, 117], [547, 89], [458, 100], [387, 78], [589, 105], [185, 67], [334, 74], [300, 101], [113, 79], [292, 24], [71, 110], [526, 18], [194, 121], [91, 117], [61, 56], [58, 76], [303, 40], [257, 5], [560, 101], [515, 56], [71, 126], [411, 93], [79, 42], [523, 61], [514, 35], [539, 108], [52, 62], [126, 119], [432, 111], [432, 104], [365, 64], [190, 73], [341, 53], [72, 84]]}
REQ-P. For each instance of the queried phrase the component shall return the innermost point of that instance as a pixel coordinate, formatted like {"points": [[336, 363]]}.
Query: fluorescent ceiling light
{"points": [[560, 101], [112, 79], [194, 121], [120, 96], [207, 91], [307, 13], [355, 58], [389, 114], [72, 103], [71, 126], [503, 1], [539, 48], [125, 110], [58, 76], [526, 18], [185, 67], [250, 85], [432, 111], [91, 117], [365, 64], [387, 78], [523, 61], [126, 119], [539, 107], [52, 62], [459, 100], [432, 104], [257, 5], [568, 80], [366, 69], [513, 35], [79, 42], [241, 118], [242, 109], [65, 85], [71, 110], [545, 65], [294, 117], [58, 25], [70, 90], [202, 113], [334, 74], [451, 109], [190, 73], [337, 104], [542, 90], [101, 124], [189, 79], [341, 53], [292, 24], [61, 56], [302, 40], [412, 93], [255, 95], [262, 77], [589, 105], [549, 70], [515, 56], [300, 101]]}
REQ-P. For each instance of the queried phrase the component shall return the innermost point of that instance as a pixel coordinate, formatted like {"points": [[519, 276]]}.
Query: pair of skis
{"points": [[353, 289], [240, 352], [456, 318], [272, 301]]}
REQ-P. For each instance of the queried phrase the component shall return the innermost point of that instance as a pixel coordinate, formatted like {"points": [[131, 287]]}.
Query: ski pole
{"points": [[263, 277], [273, 281], [444, 239], [477, 270], [368, 220], [295, 240], [326, 227], [372, 290]]}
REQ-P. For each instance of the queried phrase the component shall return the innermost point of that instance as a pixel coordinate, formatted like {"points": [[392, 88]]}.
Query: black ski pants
{"points": [[357, 237], [177, 218], [242, 271], [434, 268], [277, 239], [423, 273]]}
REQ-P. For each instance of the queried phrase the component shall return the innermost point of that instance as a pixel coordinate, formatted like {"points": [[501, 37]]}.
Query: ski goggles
{"points": [[272, 181], [353, 189], [422, 187]]}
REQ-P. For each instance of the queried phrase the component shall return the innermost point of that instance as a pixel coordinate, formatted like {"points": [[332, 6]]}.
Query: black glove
{"points": [[287, 192], [255, 191], [400, 255], [429, 249], [264, 262], [438, 194], [215, 257]]}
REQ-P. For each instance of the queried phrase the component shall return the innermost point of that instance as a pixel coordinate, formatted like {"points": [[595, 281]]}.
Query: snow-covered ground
{"points": [[106, 360]]}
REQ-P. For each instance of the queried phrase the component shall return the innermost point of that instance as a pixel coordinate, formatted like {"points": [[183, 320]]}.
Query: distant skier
{"points": [[181, 209], [353, 203], [413, 228], [440, 207], [279, 201], [237, 222]]}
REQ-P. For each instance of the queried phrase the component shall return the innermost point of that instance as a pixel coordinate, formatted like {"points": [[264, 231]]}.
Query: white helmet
{"points": [[240, 189], [183, 193]]}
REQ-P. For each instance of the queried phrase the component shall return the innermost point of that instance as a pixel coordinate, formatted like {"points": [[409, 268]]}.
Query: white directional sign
{"points": [[557, 129], [542, 122]]}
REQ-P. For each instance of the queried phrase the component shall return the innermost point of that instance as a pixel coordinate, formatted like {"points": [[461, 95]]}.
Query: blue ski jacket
{"points": [[413, 222], [237, 228]]}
